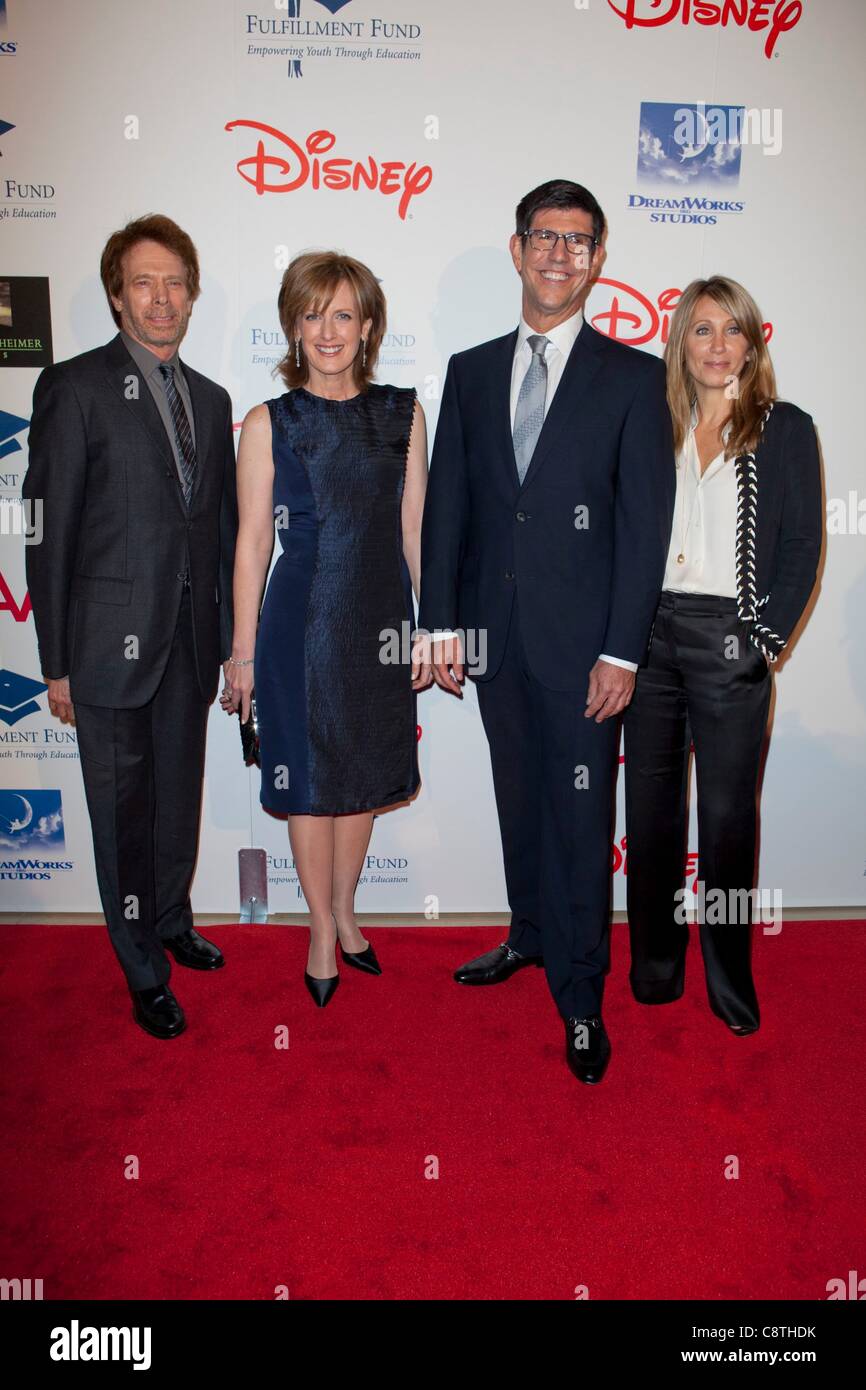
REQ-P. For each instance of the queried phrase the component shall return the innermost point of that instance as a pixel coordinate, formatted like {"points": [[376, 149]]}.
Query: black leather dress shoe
{"points": [[587, 1048], [158, 1012], [191, 949], [494, 966], [362, 960]]}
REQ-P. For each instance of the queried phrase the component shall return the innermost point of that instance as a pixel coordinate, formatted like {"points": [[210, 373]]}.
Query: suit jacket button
{"points": [[521, 516], [509, 574]]}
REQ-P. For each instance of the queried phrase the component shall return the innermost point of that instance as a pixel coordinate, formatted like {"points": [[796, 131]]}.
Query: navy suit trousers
{"points": [[554, 775]]}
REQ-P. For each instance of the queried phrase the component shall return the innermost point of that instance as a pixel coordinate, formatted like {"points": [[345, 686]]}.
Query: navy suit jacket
{"points": [[583, 540]]}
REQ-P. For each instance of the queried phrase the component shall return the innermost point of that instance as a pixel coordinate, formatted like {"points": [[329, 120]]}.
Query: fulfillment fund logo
{"points": [[28, 733], [688, 147], [31, 835], [10, 426], [18, 697], [294, 37], [21, 198], [268, 347]]}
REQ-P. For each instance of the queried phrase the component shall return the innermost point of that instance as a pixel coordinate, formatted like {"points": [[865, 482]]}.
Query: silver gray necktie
{"points": [[529, 415]]}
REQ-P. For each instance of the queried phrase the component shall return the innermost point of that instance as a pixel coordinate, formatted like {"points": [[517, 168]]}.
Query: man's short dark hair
{"points": [[562, 194]]}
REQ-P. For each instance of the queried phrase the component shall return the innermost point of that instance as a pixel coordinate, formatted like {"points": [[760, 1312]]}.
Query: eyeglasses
{"points": [[541, 239]]}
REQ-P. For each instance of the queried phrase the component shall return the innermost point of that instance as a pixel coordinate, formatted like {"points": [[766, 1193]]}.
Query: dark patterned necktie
{"points": [[182, 431]]}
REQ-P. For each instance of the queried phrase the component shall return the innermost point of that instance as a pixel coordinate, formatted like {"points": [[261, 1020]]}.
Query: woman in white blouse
{"points": [[742, 562]]}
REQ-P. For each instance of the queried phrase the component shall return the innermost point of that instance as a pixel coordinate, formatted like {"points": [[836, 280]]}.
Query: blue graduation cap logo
{"points": [[10, 425], [333, 5], [5, 128], [17, 696]]}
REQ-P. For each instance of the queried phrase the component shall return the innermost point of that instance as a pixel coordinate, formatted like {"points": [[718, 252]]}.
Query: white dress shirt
{"points": [[701, 558], [561, 340]]}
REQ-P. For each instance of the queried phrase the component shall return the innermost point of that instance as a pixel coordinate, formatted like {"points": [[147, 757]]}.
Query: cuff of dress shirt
{"points": [[617, 661]]}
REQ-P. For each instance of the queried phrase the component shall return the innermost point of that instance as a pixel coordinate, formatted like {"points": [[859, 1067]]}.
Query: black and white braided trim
{"points": [[748, 603]]}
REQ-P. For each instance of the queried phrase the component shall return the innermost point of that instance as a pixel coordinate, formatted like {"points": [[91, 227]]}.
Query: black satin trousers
{"points": [[704, 684]]}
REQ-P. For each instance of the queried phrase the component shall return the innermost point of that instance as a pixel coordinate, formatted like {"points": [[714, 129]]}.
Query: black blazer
{"points": [[779, 526], [117, 533], [606, 445]]}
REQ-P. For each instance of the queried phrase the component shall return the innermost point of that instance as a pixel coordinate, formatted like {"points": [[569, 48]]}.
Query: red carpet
{"points": [[305, 1167]]}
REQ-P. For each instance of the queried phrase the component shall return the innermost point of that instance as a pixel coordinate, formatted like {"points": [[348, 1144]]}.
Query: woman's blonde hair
{"points": [[310, 282], [756, 384]]}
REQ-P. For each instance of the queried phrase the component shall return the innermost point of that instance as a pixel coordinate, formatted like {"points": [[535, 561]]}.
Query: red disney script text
{"points": [[777, 17], [632, 318], [295, 165]]}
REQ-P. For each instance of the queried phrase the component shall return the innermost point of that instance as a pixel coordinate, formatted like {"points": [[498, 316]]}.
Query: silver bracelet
{"points": [[232, 662]]}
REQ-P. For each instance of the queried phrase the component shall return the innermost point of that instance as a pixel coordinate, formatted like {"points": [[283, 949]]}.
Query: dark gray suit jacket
{"points": [[105, 582]]}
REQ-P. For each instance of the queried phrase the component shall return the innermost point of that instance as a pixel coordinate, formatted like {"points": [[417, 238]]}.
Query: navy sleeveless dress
{"points": [[337, 724]]}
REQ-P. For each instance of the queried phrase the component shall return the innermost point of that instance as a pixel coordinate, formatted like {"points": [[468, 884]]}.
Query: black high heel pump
{"points": [[321, 990]]}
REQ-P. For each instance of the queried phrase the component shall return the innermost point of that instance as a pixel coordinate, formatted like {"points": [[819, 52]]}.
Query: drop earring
{"points": [[297, 352], [364, 354]]}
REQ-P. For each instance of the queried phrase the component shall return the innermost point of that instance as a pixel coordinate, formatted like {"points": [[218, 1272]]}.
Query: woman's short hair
{"points": [[756, 385], [153, 227], [310, 283]]}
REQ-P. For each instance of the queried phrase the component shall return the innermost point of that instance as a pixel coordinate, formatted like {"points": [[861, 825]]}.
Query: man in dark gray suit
{"points": [[132, 458]]}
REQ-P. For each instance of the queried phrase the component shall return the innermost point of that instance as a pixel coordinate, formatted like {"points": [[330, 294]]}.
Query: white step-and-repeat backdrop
{"points": [[404, 132]]}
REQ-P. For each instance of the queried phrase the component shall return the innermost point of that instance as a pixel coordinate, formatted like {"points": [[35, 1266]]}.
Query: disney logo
{"points": [[619, 860], [633, 319], [294, 165], [753, 13]]}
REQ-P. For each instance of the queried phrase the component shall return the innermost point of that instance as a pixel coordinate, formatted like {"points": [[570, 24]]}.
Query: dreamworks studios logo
{"points": [[31, 836], [689, 155], [8, 47]]}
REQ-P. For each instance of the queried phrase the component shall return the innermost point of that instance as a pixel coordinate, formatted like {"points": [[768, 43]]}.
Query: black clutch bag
{"points": [[250, 737]]}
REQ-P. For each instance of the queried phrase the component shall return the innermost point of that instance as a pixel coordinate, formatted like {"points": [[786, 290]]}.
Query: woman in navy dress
{"points": [[338, 464]]}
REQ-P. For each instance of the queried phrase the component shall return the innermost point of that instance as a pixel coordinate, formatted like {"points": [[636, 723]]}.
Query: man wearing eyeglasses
{"points": [[546, 529]]}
